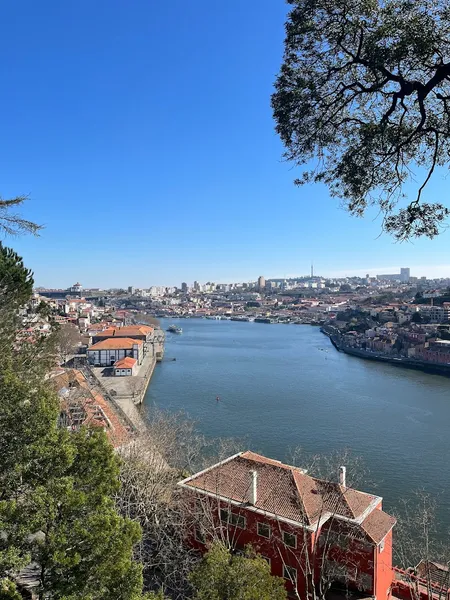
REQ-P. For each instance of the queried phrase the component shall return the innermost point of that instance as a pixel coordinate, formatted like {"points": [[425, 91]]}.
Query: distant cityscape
{"points": [[261, 284], [309, 299], [395, 316]]}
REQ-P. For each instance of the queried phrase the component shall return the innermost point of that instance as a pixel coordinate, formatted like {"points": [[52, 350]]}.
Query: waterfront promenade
{"points": [[128, 392]]}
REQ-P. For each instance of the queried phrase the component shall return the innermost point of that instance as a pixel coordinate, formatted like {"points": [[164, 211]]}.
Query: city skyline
{"points": [[361, 273], [153, 158]]}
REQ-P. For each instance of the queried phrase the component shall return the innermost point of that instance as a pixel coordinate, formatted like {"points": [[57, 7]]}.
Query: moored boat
{"points": [[174, 329]]}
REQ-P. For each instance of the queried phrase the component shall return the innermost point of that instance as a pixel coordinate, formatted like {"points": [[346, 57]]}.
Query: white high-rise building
{"points": [[405, 274], [156, 291]]}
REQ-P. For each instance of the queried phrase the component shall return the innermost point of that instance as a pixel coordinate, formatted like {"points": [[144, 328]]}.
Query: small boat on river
{"points": [[174, 329]]}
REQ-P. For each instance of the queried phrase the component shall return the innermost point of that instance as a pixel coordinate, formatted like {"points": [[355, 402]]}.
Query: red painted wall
{"points": [[356, 553], [383, 562]]}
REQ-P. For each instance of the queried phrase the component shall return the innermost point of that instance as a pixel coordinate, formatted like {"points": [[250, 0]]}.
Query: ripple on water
{"points": [[283, 386]]}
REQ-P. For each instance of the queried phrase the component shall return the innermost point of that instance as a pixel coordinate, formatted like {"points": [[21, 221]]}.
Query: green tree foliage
{"points": [[224, 576], [155, 596], [27, 356], [416, 318], [16, 282], [57, 509], [56, 505], [13, 223], [364, 89], [44, 309], [8, 590]]}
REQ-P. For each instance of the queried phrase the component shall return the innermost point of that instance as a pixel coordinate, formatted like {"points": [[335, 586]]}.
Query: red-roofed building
{"points": [[125, 367], [83, 406], [107, 352], [134, 332], [312, 532]]}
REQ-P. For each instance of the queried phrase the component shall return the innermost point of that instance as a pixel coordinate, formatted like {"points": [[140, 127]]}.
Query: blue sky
{"points": [[143, 133]]}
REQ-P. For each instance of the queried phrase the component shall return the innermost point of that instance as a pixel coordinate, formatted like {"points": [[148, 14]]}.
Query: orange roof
{"points": [[291, 493], [121, 343], [127, 331], [377, 525], [99, 412], [125, 363]]}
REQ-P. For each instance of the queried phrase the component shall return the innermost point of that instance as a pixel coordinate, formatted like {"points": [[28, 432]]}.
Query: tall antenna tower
{"points": [[312, 270]]}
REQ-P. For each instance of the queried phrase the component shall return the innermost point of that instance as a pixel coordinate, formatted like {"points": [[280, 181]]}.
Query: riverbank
{"points": [[272, 319], [127, 393], [406, 363], [281, 388]]}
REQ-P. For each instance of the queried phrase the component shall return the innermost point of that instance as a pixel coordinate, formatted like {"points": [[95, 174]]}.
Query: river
{"points": [[283, 386]]}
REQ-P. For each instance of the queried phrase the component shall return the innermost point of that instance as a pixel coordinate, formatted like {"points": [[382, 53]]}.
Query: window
{"points": [[290, 539], [266, 558], [232, 519], [264, 530], [290, 573], [381, 546], [237, 520]]}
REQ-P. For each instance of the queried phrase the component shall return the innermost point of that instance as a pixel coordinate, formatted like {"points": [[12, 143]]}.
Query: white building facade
{"points": [[109, 351]]}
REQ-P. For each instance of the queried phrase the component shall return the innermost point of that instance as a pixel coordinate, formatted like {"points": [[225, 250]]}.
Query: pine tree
{"points": [[57, 511]]}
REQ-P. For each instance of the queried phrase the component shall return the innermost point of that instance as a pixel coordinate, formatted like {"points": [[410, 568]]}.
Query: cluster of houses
{"points": [[419, 342], [410, 331], [316, 534], [109, 339]]}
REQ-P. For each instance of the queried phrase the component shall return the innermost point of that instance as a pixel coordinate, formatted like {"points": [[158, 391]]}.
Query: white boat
{"points": [[174, 329]]}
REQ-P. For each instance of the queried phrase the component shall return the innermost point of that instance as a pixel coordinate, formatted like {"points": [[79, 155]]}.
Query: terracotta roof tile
{"points": [[125, 363], [347, 502], [127, 331], [284, 490], [115, 344], [377, 525], [98, 412]]}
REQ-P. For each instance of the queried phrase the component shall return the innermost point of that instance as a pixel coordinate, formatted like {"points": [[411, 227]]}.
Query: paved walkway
{"points": [[128, 392], [132, 412]]}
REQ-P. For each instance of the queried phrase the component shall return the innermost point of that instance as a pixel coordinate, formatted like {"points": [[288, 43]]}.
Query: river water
{"points": [[283, 386]]}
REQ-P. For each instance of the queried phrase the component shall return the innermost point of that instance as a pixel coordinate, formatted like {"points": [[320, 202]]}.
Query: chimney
{"points": [[342, 473], [253, 494]]}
